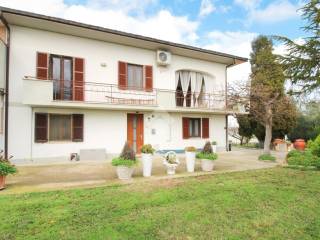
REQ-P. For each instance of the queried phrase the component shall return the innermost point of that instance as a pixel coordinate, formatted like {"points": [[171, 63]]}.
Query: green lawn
{"points": [[276, 203]]}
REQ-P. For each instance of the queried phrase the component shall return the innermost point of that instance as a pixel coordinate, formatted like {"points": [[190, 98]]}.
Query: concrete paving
{"points": [[34, 178]]}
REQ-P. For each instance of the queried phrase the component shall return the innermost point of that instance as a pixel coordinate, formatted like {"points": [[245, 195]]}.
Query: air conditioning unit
{"points": [[163, 57]]}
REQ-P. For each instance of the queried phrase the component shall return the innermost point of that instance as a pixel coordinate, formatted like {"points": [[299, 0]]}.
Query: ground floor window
{"points": [[58, 127], [195, 127]]}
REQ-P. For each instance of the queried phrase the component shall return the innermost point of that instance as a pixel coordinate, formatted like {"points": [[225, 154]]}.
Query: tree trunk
{"points": [[267, 139], [268, 126]]}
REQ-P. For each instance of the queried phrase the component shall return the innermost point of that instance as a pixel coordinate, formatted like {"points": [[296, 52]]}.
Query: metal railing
{"points": [[93, 92]]}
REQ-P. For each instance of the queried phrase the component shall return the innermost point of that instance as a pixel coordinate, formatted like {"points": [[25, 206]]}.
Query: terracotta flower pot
{"points": [[2, 182], [299, 144]]}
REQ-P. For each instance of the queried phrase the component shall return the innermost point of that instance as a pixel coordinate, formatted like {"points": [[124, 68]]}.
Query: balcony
{"points": [[107, 96]]}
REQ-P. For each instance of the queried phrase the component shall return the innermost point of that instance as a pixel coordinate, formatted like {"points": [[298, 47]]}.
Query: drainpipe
{"points": [[6, 105]]}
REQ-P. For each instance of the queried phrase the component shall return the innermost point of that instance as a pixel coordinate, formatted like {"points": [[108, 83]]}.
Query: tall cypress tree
{"points": [[267, 86]]}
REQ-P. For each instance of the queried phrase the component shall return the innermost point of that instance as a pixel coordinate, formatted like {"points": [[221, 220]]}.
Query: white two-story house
{"points": [[69, 87]]}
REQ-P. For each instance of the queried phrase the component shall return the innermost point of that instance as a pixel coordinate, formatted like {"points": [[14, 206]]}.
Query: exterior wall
{"points": [[102, 129], [107, 130]]}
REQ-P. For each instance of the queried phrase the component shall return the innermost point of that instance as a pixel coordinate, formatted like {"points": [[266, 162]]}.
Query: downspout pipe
{"points": [[6, 104]]}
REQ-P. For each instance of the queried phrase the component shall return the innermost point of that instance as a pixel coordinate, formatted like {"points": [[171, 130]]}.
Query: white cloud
{"points": [[206, 8], [248, 4], [237, 43], [275, 12], [162, 24]]}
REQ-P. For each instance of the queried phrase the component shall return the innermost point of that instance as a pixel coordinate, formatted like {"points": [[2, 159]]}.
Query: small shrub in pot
{"points": [[207, 157], [125, 162], [147, 151], [6, 168], [190, 154], [171, 162]]}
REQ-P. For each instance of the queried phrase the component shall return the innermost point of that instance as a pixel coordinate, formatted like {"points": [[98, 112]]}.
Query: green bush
{"points": [[6, 167], [267, 157], [314, 146], [209, 156], [303, 158], [147, 148], [123, 162]]}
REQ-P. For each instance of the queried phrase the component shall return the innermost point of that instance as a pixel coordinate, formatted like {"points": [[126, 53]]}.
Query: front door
{"points": [[135, 131]]}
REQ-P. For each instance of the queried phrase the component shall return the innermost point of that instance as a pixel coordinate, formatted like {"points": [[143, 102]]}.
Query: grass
{"points": [[277, 203], [267, 157]]}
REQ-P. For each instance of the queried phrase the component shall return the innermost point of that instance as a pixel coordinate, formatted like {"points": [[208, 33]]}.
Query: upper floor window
{"points": [[135, 77], [61, 69]]}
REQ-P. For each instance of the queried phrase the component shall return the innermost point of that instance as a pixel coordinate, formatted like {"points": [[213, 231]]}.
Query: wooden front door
{"points": [[135, 131]]}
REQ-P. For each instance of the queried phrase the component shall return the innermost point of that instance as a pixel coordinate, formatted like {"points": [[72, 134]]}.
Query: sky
{"points": [[226, 26]]}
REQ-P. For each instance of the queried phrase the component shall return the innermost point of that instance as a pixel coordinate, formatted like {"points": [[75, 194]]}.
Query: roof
{"points": [[54, 24]]}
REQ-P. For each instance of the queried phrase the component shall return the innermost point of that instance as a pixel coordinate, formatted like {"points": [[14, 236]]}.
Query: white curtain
{"points": [[185, 81], [198, 86], [193, 79], [135, 77], [177, 78]]}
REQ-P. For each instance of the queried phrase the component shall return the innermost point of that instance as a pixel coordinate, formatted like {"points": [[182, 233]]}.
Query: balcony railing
{"points": [[103, 93], [92, 92]]}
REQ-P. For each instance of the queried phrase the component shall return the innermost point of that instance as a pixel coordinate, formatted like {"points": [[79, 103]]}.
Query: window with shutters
{"points": [[58, 127], [61, 71], [194, 127], [135, 77]]}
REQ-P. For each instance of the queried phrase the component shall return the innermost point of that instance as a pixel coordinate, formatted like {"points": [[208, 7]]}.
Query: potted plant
{"points": [[125, 163], [6, 168], [207, 157], [171, 162], [299, 144], [147, 152], [214, 146], [190, 158]]}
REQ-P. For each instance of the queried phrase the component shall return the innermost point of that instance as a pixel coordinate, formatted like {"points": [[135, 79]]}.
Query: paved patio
{"points": [[34, 178]]}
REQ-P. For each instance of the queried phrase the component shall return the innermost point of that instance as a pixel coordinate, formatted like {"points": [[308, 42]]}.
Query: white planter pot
{"points": [[171, 168], [124, 172], [147, 164], [190, 161], [214, 148], [207, 165]]}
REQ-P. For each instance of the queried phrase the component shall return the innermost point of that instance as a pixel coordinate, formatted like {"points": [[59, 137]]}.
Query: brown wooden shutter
{"points": [[148, 78], [42, 65], [77, 127], [185, 128], [41, 127], [78, 79], [205, 127], [122, 75]]}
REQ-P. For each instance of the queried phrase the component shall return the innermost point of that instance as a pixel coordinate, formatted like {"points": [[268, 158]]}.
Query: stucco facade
{"points": [[105, 125]]}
